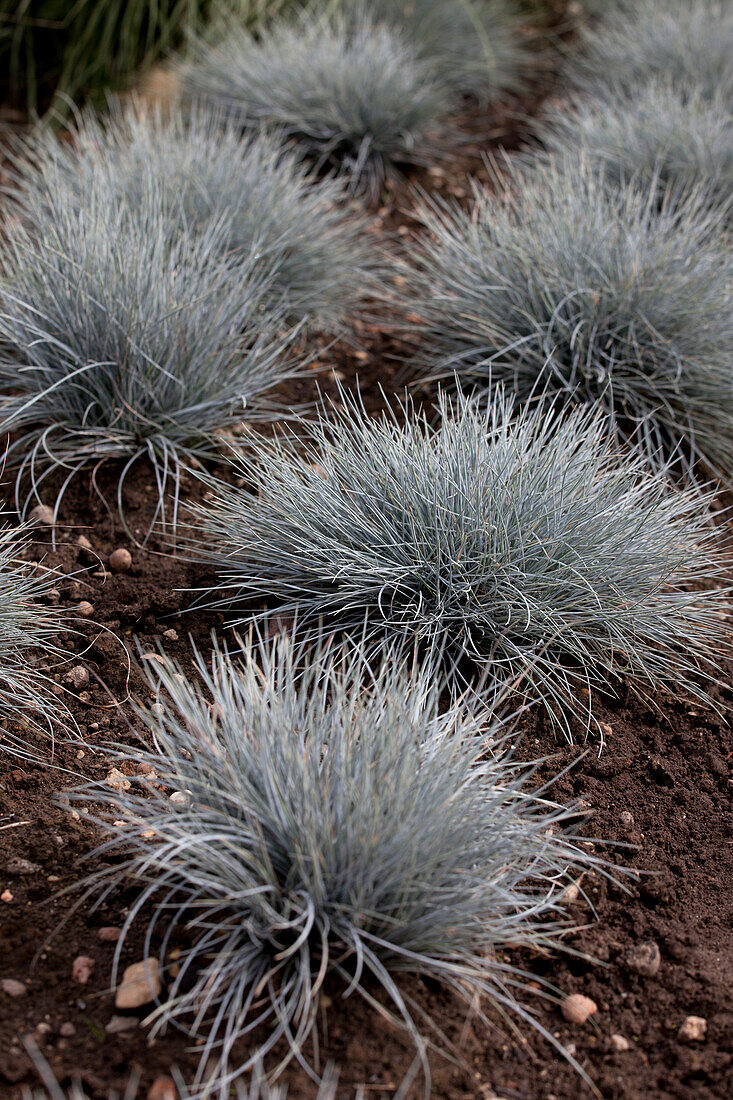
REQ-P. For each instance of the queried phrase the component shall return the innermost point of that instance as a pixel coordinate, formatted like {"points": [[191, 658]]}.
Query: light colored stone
{"points": [[162, 1088], [67, 1030], [118, 1024], [22, 867], [78, 677], [172, 635], [693, 1030], [82, 969], [140, 984], [626, 820], [120, 560], [117, 780], [42, 515], [645, 959], [620, 1043], [108, 934], [6, 896], [83, 543], [577, 1008], [13, 988], [85, 610]]}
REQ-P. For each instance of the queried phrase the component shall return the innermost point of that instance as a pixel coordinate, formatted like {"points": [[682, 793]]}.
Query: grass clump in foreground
{"points": [[337, 826], [657, 133], [522, 545], [601, 296], [474, 46], [121, 344], [690, 41], [351, 94], [27, 627], [286, 227]]}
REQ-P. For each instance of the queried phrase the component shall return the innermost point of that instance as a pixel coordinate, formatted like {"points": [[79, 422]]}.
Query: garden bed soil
{"points": [[666, 762]]}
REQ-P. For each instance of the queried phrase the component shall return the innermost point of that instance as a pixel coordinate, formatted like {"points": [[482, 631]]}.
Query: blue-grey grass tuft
{"points": [[332, 822], [523, 544], [614, 297]]}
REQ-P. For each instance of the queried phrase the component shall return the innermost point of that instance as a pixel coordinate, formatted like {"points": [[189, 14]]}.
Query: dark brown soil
{"points": [[668, 767]]}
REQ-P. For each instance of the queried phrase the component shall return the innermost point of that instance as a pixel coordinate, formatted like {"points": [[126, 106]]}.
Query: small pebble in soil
{"points": [[83, 543], [162, 1088], [140, 984], [626, 821], [120, 560], [108, 934], [118, 780], [620, 1044], [693, 1030], [67, 1029], [118, 1024], [12, 988], [6, 896], [42, 514], [21, 867], [577, 1008], [645, 959], [78, 677], [157, 708], [171, 634], [82, 969], [85, 610], [180, 798]]}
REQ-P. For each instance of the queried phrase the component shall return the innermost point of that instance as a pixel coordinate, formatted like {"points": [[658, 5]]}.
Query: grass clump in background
{"points": [[27, 628], [522, 545], [474, 46], [338, 825], [351, 95], [120, 344], [55, 51], [610, 297], [659, 132], [688, 41], [288, 229]]}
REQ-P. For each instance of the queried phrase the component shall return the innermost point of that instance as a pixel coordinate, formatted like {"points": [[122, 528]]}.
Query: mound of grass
{"points": [[333, 822], [659, 132], [352, 94], [523, 546], [690, 41], [474, 46], [289, 229], [119, 343], [27, 627], [612, 297]]}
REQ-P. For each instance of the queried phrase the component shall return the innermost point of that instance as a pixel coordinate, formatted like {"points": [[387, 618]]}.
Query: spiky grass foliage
{"points": [[119, 343], [337, 823], [474, 46], [690, 41], [608, 297], [658, 132], [524, 546], [27, 628], [288, 229], [352, 94]]}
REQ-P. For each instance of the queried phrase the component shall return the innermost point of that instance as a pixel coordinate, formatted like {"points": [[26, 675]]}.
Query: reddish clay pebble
{"points": [[162, 1088], [109, 934], [85, 610], [577, 1008], [120, 560]]}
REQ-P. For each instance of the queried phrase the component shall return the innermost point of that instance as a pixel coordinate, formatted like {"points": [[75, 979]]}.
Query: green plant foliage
{"points": [[352, 95], [54, 51], [27, 627], [119, 343], [602, 296], [332, 821], [659, 132], [688, 41], [289, 229], [522, 545]]}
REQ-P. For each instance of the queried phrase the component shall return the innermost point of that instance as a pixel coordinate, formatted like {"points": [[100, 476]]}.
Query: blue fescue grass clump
{"points": [[286, 227], [333, 822], [118, 343], [474, 46], [659, 132], [612, 297], [351, 94], [690, 41], [522, 545], [27, 629]]}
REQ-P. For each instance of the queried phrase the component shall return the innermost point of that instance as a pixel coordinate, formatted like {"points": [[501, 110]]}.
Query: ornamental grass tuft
{"points": [[117, 343], [333, 823], [351, 94], [522, 545], [288, 228], [605, 296]]}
